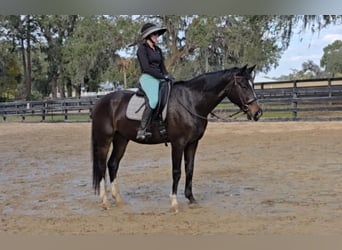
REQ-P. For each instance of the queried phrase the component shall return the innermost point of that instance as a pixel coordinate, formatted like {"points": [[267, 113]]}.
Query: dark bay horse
{"points": [[190, 103]]}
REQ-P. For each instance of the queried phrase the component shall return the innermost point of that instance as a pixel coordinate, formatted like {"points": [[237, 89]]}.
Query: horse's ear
{"points": [[243, 69], [251, 68]]}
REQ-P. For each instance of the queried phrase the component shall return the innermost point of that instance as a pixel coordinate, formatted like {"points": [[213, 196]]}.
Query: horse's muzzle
{"points": [[257, 115], [253, 111]]}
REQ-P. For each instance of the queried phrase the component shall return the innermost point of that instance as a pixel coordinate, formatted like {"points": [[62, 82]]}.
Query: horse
{"points": [[190, 103]]}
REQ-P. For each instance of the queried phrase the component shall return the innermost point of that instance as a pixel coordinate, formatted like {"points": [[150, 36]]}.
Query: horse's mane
{"points": [[200, 81]]}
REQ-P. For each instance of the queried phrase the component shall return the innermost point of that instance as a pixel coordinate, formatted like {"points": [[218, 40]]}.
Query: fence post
{"points": [[65, 110], [91, 104], [330, 91], [294, 102], [21, 108], [44, 111]]}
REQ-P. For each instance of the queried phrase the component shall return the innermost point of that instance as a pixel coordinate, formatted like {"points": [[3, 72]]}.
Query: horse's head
{"points": [[241, 92]]}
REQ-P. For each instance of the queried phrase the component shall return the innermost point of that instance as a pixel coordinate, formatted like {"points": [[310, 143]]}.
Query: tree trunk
{"points": [[54, 87], [60, 81], [24, 59], [125, 78], [23, 56], [206, 58], [29, 66], [69, 87]]}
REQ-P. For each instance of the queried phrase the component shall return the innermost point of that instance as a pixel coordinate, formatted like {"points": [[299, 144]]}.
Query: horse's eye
{"points": [[244, 86]]}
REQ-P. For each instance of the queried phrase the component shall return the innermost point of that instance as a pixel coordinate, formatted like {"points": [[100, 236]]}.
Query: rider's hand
{"points": [[169, 77]]}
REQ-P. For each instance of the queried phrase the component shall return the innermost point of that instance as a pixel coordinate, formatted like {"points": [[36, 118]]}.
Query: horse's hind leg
{"points": [[103, 195], [119, 148], [101, 163]]}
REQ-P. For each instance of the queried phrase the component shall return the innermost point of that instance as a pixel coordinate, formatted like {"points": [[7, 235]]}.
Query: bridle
{"points": [[227, 91], [244, 106]]}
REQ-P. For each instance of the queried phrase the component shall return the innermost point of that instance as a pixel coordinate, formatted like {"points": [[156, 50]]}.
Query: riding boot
{"points": [[145, 121]]}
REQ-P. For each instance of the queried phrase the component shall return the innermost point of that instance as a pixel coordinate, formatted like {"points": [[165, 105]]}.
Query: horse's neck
{"points": [[206, 93]]}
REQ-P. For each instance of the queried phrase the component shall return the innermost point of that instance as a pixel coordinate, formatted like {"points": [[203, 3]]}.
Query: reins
{"points": [[211, 113], [230, 116], [227, 90], [192, 112]]}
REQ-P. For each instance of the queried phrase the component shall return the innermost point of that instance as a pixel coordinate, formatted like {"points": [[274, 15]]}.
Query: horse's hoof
{"points": [[106, 206], [174, 209], [192, 201], [194, 205], [174, 203], [120, 203]]}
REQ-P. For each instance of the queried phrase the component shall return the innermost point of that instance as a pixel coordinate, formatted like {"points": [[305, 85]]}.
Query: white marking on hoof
{"points": [[105, 203], [103, 196], [116, 193], [174, 203]]}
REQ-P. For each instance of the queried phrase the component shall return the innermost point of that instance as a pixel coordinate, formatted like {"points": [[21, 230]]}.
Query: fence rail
{"points": [[319, 99], [73, 109], [298, 100]]}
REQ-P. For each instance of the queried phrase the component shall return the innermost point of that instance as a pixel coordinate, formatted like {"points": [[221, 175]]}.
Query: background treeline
{"points": [[57, 55]]}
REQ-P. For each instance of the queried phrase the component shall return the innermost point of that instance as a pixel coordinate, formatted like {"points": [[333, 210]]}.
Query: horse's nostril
{"points": [[258, 114]]}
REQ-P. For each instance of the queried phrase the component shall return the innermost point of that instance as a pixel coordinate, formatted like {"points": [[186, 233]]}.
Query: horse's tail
{"points": [[97, 172]]}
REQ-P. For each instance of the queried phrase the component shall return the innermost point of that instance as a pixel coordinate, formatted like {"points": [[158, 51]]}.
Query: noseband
{"points": [[245, 106]]}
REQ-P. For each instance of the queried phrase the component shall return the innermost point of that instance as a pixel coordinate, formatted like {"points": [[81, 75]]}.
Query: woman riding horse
{"points": [[153, 71], [189, 105]]}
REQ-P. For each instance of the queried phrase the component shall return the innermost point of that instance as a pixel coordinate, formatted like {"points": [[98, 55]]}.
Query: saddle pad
{"points": [[136, 107]]}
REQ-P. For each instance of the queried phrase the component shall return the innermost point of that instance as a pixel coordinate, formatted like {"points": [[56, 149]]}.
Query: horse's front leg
{"points": [[189, 158], [177, 153]]}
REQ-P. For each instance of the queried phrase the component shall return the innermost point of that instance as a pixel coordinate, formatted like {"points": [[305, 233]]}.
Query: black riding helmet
{"points": [[150, 28]]}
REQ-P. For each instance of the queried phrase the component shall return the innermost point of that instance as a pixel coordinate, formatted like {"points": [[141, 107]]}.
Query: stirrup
{"points": [[142, 135]]}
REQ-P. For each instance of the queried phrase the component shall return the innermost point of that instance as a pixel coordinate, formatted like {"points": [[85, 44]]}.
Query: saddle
{"points": [[136, 106]]}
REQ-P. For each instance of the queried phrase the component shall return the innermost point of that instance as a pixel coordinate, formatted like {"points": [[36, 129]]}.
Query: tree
{"points": [[56, 29], [124, 65], [83, 51], [311, 67], [40, 79], [10, 72], [211, 43], [20, 30], [309, 70], [91, 51], [332, 58]]}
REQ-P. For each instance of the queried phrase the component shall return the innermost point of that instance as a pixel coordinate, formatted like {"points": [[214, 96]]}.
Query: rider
{"points": [[153, 71]]}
